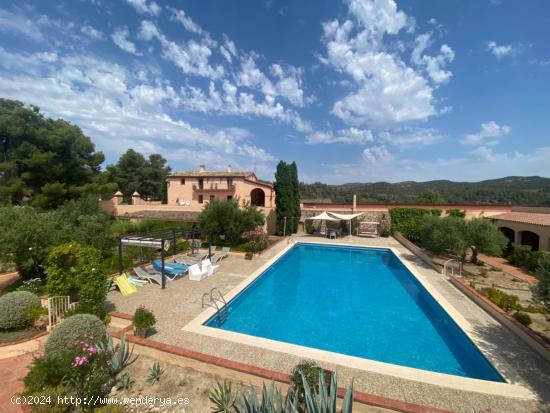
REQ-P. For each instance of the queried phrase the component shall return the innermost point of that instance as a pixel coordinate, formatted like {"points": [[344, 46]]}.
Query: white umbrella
{"points": [[347, 217], [324, 217]]}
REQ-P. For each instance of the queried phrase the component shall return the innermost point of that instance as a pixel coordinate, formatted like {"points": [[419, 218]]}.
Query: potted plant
{"points": [[143, 319]]}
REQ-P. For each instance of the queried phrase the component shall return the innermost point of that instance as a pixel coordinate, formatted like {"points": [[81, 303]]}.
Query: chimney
{"points": [[354, 202], [202, 168], [229, 168]]}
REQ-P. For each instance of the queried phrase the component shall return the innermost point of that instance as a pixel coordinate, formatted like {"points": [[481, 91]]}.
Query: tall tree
{"points": [[287, 197], [295, 185], [135, 173], [43, 162]]}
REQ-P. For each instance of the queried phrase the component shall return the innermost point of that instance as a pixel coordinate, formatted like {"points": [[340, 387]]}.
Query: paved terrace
{"points": [[180, 302]]}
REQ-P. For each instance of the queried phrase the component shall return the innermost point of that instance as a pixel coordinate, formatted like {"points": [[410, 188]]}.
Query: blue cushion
{"points": [[170, 267]]}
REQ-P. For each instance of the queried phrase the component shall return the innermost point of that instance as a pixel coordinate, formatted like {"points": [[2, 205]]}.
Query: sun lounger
{"points": [[136, 281], [149, 276], [206, 266], [220, 255], [196, 274], [124, 286], [171, 269]]}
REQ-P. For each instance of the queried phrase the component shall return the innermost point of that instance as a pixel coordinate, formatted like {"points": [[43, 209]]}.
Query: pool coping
{"points": [[508, 389]]}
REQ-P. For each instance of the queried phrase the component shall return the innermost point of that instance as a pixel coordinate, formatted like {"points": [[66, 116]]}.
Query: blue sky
{"points": [[359, 90]]}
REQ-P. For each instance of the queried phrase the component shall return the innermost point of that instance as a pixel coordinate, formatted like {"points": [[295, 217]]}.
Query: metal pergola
{"points": [[161, 239]]}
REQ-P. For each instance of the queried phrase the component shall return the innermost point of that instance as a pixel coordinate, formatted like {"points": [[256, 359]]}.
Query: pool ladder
{"points": [[217, 301]]}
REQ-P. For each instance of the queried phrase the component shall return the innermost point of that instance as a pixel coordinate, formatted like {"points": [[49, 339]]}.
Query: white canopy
{"points": [[346, 217], [323, 216]]}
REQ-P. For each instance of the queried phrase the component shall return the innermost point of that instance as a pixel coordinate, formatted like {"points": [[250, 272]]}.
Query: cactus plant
{"points": [[119, 356], [222, 398], [155, 373]]}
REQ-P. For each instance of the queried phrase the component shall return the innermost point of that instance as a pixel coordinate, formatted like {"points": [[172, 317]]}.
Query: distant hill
{"points": [[531, 190]]}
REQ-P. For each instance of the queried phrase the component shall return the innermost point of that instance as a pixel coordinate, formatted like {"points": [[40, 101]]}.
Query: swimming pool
{"points": [[355, 301]]}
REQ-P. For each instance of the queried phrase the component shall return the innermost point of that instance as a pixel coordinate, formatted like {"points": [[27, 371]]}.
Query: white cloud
{"points": [[186, 21], [191, 57], [92, 32], [489, 134], [376, 155], [503, 50], [411, 137], [145, 7], [117, 110], [120, 38], [230, 101], [387, 91], [352, 136], [287, 83], [434, 64], [13, 23]]}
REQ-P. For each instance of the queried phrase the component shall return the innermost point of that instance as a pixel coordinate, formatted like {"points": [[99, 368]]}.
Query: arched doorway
{"points": [[510, 234], [257, 197], [530, 238]]}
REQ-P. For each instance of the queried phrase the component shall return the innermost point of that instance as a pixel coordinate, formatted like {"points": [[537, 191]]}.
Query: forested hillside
{"points": [[533, 190]]}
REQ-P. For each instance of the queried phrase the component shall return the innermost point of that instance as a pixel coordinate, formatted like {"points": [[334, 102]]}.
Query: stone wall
{"points": [[368, 216]]}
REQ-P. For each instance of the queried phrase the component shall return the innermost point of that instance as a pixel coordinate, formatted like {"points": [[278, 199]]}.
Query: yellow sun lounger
{"points": [[124, 285]]}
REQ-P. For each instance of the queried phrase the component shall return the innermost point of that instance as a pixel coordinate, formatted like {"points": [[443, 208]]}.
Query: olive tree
{"points": [[226, 218]]}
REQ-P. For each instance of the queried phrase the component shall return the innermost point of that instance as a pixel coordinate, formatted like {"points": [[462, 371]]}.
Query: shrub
{"points": [[455, 212], [34, 285], [56, 395], [541, 292], [47, 372], [75, 328], [310, 226], [407, 221], [523, 256], [307, 370], [523, 318], [385, 232], [258, 240], [74, 268], [143, 318], [227, 218], [439, 235], [15, 308], [505, 301]]}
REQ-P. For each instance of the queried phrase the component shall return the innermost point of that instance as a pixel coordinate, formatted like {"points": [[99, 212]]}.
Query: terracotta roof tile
{"points": [[525, 218]]}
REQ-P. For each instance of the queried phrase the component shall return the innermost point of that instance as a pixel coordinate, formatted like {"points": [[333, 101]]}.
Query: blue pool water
{"points": [[355, 301]]}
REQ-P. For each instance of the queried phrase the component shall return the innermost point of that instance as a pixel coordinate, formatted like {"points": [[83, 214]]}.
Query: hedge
{"points": [[407, 220]]}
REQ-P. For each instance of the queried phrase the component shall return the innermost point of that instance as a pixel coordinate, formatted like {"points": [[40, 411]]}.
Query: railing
{"points": [[451, 266], [218, 303], [57, 307]]}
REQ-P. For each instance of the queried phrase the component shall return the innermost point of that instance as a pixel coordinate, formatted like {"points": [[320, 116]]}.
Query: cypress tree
{"points": [[282, 195], [296, 211]]}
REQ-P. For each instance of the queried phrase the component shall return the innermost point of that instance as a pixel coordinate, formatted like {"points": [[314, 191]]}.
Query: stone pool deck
{"points": [[180, 303]]}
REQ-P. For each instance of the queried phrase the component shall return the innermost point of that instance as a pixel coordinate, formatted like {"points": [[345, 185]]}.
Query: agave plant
{"points": [[222, 398], [155, 373], [119, 356], [316, 401], [124, 382], [323, 402], [271, 402]]}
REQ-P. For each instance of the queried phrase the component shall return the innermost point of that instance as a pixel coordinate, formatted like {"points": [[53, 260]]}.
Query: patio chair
{"points": [[207, 267], [196, 273], [149, 276]]}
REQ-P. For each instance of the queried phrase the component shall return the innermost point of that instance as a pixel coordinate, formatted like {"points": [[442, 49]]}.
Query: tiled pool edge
{"points": [[439, 379], [358, 396]]}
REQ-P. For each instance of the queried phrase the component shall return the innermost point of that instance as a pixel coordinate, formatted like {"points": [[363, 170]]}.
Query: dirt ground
{"points": [[191, 386], [488, 276]]}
